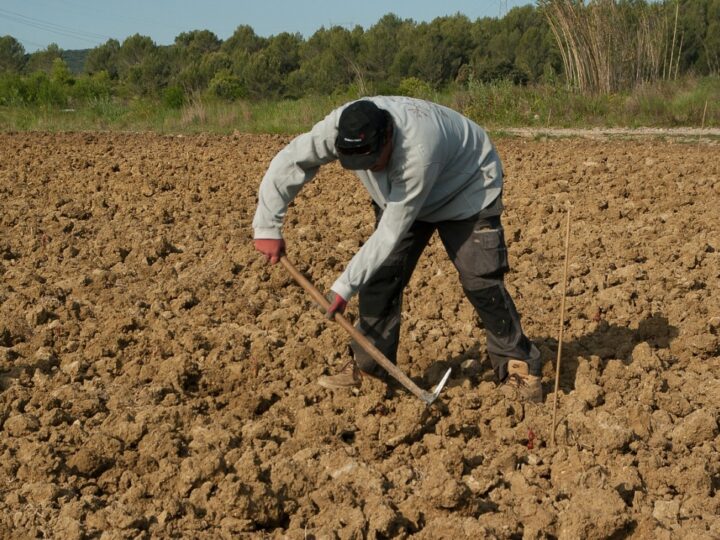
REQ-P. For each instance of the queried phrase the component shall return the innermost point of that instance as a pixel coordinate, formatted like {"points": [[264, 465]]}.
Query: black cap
{"points": [[361, 134]]}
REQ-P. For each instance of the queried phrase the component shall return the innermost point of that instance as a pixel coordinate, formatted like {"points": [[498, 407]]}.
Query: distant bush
{"points": [[92, 87], [60, 73], [35, 89], [173, 97], [225, 85], [414, 87], [10, 89], [59, 89]]}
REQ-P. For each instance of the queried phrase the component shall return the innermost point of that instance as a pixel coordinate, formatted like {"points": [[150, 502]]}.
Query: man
{"points": [[427, 168]]}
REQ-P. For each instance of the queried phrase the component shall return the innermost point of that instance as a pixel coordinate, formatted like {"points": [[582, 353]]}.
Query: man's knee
{"points": [[494, 309], [482, 260]]}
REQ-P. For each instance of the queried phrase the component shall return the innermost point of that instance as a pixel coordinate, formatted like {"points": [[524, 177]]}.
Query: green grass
{"points": [[494, 105], [150, 115], [670, 104]]}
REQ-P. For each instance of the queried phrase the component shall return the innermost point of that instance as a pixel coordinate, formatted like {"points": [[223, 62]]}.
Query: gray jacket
{"points": [[443, 167]]}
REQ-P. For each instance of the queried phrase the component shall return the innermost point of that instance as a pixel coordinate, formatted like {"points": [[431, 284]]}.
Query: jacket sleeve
{"points": [[407, 194], [292, 168]]}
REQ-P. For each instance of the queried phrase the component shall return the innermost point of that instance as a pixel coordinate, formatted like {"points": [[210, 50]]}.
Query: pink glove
{"points": [[337, 305], [272, 248]]}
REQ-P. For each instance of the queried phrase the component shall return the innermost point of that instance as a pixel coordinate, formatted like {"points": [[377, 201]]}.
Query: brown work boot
{"points": [[527, 387], [348, 377]]}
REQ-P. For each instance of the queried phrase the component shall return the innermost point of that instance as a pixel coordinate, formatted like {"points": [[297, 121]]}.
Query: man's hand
{"points": [[272, 248], [337, 305]]}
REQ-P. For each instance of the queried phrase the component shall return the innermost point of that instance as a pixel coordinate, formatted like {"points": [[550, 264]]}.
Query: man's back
{"points": [[435, 144]]}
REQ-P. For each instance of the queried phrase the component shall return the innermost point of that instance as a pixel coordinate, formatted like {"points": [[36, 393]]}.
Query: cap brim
{"points": [[357, 162]]}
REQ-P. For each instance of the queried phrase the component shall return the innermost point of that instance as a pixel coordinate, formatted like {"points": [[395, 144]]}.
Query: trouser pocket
{"points": [[489, 253], [477, 249]]}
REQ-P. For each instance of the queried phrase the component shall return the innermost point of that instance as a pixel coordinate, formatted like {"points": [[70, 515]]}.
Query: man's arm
{"points": [[407, 195], [292, 168]]}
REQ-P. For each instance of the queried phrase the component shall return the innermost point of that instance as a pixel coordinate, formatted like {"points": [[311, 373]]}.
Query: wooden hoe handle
{"points": [[361, 340]]}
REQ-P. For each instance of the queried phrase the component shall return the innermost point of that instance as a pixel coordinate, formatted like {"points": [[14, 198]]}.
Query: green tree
{"points": [[518, 47], [439, 49], [240, 47], [104, 58], [457, 44], [43, 60], [535, 51], [266, 73], [712, 38], [713, 11], [329, 59], [693, 28], [402, 65], [195, 74], [135, 50], [197, 59], [154, 73], [379, 47], [12, 55], [197, 42], [243, 39], [60, 73], [143, 67], [532, 53]]}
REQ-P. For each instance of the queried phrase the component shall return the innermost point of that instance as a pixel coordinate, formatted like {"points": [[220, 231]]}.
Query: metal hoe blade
{"points": [[429, 397]]}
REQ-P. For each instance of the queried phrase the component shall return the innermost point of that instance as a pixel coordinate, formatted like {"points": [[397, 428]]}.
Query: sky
{"points": [[85, 24]]}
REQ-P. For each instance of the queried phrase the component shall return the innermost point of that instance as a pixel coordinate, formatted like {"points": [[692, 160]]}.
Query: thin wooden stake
{"points": [[703, 118], [562, 327]]}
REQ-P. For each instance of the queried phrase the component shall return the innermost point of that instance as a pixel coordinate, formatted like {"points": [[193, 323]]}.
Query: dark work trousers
{"points": [[477, 248]]}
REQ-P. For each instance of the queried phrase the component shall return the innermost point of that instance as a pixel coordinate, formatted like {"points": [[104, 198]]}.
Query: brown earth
{"points": [[157, 379]]}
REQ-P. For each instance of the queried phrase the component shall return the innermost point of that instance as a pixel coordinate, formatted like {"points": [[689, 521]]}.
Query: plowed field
{"points": [[157, 378]]}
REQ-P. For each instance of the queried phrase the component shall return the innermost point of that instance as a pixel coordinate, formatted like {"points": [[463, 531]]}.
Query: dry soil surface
{"points": [[157, 378]]}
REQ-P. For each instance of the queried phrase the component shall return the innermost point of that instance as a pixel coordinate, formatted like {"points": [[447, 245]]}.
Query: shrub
{"points": [[414, 87], [174, 97], [11, 86], [227, 86], [92, 87], [39, 89]]}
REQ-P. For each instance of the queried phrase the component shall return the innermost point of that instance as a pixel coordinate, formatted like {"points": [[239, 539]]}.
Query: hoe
{"points": [[379, 357]]}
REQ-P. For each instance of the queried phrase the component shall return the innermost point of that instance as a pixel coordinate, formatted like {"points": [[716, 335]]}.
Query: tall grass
{"points": [[657, 104], [494, 105], [608, 46], [252, 117]]}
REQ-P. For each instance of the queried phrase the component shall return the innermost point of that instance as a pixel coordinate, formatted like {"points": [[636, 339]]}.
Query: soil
{"points": [[157, 378]]}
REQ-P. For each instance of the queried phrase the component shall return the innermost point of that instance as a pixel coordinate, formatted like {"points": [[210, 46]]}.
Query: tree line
{"points": [[528, 45]]}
